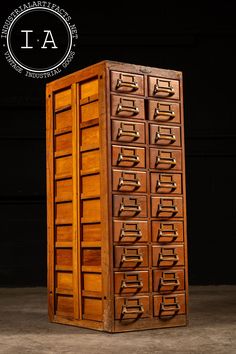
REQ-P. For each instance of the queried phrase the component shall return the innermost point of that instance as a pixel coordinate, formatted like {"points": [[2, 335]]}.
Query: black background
{"points": [[197, 38]]}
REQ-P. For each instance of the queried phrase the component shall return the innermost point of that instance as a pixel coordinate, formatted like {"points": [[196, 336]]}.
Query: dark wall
{"points": [[197, 39]]}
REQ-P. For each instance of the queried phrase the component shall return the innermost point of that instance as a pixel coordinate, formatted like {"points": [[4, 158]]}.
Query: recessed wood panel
{"points": [[91, 257], [62, 99], [63, 257], [90, 185], [63, 143], [63, 233], [90, 138], [63, 166], [92, 309], [63, 120], [89, 88], [63, 213], [92, 282], [89, 111], [91, 232], [63, 190], [64, 280], [91, 209], [65, 306], [90, 160]]}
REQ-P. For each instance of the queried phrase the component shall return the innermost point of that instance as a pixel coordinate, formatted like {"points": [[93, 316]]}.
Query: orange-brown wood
{"points": [[128, 131], [127, 107], [116, 198]]}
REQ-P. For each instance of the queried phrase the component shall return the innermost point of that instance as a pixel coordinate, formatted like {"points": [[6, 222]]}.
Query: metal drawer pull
{"points": [[168, 114], [170, 137], [121, 83], [137, 309], [130, 207], [169, 257], [167, 161], [135, 182], [159, 89], [169, 281], [169, 208], [168, 233], [132, 158], [126, 232], [131, 284], [138, 258], [171, 185], [123, 108], [169, 307], [122, 132]]}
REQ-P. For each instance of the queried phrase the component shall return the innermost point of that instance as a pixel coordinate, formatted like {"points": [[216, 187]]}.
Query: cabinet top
{"points": [[118, 66]]}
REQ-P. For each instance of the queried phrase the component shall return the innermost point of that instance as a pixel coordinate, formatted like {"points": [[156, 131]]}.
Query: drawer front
{"points": [[131, 282], [131, 307], [167, 256], [127, 83], [163, 135], [170, 183], [126, 156], [165, 160], [167, 207], [127, 107], [167, 232], [169, 305], [167, 281], [134, 257], [128, 132], [130, 231], [164, 112], [129, 181], [129, 206], [163, 88]]}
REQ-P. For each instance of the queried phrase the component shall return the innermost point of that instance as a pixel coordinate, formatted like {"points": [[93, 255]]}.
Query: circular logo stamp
{"points": [[39, 39]]}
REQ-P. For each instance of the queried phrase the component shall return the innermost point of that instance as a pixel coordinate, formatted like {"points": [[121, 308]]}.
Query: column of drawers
{"points": [[147, 195], [167, 205]]}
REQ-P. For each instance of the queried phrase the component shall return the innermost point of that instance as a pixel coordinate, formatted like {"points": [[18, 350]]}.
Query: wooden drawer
{"points": [[127, 107], [129, 132], [130, 257], [162, 159], [166, 207], [170, 183], [126, 156], [164, 112], [167, 281], [130, 206], [130, 231], [169, 305], [127, 83], [131, 282], [129, 181], [131, 307], [167, 232], [163, 88], [163, 135], [167, 256]]}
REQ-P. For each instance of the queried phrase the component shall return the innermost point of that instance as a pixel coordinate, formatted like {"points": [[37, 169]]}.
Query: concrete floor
{"points": [[24, 328]]}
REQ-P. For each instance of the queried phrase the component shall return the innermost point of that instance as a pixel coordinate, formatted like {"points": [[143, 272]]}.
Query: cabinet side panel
{"points": [[60, 202], [90, 207]]}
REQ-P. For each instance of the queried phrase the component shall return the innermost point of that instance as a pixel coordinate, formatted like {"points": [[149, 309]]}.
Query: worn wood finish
{"points": [[116, 199]]}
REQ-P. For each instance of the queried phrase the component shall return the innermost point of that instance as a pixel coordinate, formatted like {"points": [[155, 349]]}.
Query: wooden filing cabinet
{"points": [[116, 202]]}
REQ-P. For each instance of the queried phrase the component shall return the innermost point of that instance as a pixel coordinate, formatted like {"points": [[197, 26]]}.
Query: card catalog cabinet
{"points": [[116, 202]]}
